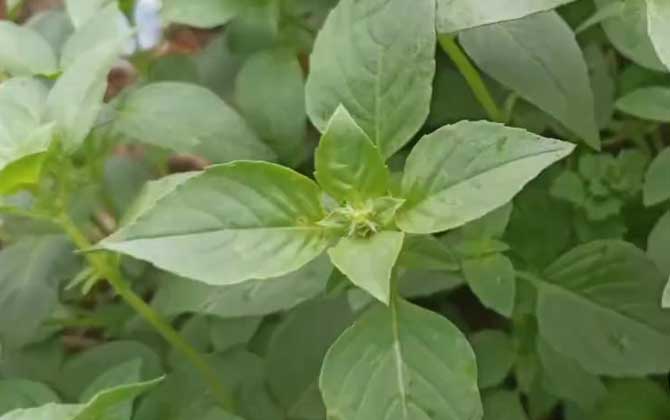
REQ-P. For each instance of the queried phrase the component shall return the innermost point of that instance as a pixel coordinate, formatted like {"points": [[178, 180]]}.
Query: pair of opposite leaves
{"points": [[255, 220]]}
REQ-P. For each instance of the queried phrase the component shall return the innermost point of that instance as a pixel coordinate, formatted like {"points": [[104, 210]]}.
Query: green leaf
{"points": [[658, 26], [566, 379], [457, 15], [503, 405], [606, 293], [270, 91], [628, 32], [231, 223], [54, 25], [401, 362], [666, 296], [24, 52], [106, 25], [21, 393], [296, 352], [81, 371], [649, 103], [76, 98], [80, 11], [96, 409], [368, 262], [493, 280], [256, 297], [656, 189], [124, 374], [22, 165], [377, 59], [639, 399], [229, 333], [348, 166], [494, 350], [201, 13], [188, 119], [539, 58], [463, 171], [658, 244], [30, 275]]}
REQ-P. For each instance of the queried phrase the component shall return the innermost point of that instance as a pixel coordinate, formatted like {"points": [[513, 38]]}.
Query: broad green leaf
{"points": [[666, 296], [124, 374], [252, 298], [30, 274], [296, 352], [428, 253], [494, 350], [76, 98], [463, 171], [40, 362], [270, 91], [80, 11], [54, 25], [493, 280], [106, 25], [188, 119], [24, 52], [658, 244], [599, 305], [232, 223], [377, 59], [229, 333], [492, 225], [658, 26], [457, 15], [201, 13], [21, 393], [628, 32], [639, 399], [80, 371], [368, 262], [401, 362], [21, 162], [601, 72], [566, 379], [348, 166], [539, 58], [649, 103], [96, 409], [612, 9], [503, 405], [656, 189]]}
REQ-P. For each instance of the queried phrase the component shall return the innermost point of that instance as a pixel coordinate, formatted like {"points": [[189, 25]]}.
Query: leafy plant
{"points": [[322, 209]]}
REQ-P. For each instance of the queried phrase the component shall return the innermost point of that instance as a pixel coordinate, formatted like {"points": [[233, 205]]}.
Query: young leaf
{"points": [[22, 161], [649, 103], [24, 52], [457, 15], [377, 59], [80, 11], [401, 362], [348, 166], [628, 32], [368, 262], [30, 273], [607, 294], [495, 357], [658, 26], [493, 280], [539, 58], [124, 374], [256, 297], [656, 189], [106, 25], [189, 119], [232, 223], [270, 92], [201, 13], [463, 171], [76, 98]]}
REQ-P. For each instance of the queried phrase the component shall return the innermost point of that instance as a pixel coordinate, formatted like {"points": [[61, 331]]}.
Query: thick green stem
{"points": [[107, 269], [472, 77]]}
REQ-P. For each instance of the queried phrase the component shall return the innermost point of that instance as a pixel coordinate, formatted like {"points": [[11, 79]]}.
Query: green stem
{"points": [[113, 275], [472, 76]]}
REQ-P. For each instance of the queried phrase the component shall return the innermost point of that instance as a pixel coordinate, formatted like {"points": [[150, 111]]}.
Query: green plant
{"points": [[343, 210]]}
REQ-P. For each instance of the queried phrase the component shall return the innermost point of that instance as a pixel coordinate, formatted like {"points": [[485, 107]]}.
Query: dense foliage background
{"points": [[116, 304]]}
